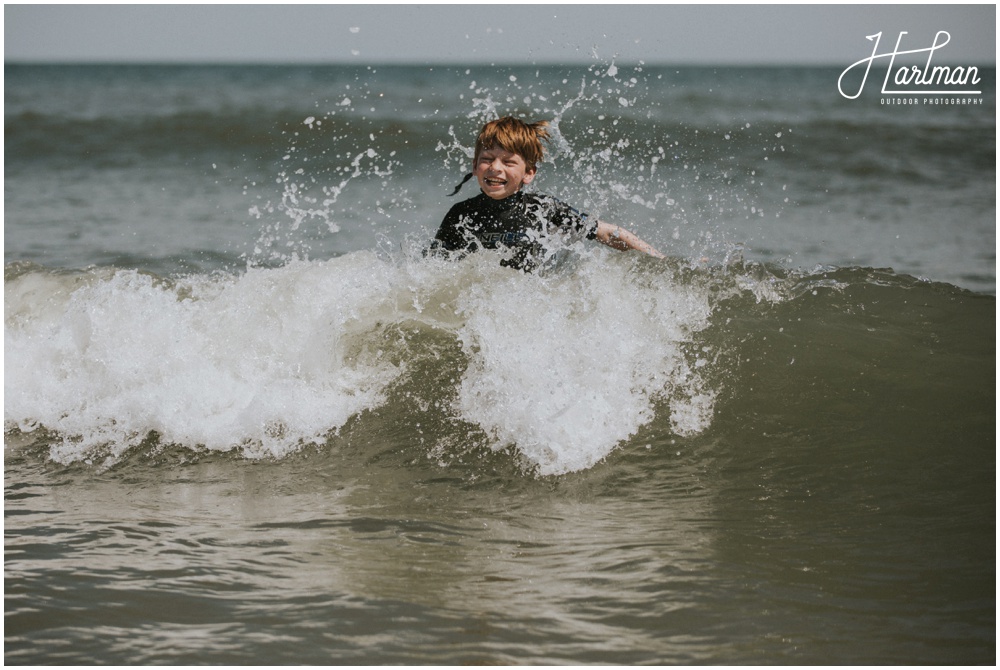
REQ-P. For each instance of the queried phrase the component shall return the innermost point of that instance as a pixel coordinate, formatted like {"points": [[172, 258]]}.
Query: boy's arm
{"points": [[623, 240]]}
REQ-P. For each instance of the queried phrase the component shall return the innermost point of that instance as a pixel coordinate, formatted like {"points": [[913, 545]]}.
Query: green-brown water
{"points": [[246, 422]]}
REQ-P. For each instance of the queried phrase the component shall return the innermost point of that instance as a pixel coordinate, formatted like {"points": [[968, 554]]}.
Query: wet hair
{"points": [[515, 136]]}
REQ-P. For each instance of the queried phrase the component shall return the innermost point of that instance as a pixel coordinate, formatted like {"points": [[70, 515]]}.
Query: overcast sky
{"points": [[519, 33]]}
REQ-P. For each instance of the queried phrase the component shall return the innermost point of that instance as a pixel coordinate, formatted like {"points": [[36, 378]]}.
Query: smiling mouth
{"points": [[494, 182]]}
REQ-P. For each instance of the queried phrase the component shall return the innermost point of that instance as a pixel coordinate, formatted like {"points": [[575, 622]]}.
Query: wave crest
{"points": [[561, 367]]}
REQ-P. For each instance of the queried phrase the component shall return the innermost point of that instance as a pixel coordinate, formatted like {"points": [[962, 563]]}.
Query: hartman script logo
{"points": [[925, 79]]}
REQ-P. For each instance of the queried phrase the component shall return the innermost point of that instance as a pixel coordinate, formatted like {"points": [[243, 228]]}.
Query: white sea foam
{"points": [[262, 362], [563, 366], [566, 367]]}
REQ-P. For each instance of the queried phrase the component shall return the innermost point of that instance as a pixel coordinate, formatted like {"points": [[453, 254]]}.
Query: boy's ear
{"points": [[529, 175]]}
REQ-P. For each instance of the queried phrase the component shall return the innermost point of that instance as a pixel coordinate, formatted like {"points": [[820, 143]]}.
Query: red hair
{"points": [[515, 136]]}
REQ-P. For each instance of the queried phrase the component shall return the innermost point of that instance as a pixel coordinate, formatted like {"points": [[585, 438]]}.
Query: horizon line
{"points": [[215, 62]]}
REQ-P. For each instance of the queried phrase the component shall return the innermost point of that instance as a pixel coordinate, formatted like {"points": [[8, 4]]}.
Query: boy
{"points": [[508, 151]]}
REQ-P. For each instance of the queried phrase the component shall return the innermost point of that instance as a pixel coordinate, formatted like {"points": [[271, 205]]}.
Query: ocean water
{"points": [[247, 421]]}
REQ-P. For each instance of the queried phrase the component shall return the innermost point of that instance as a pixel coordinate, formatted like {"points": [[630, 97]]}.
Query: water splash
{"points": [[562, 367], [616, 152]]}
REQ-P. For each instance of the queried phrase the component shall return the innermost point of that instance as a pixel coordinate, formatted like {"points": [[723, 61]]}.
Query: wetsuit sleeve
{"points": [[572, 219]]}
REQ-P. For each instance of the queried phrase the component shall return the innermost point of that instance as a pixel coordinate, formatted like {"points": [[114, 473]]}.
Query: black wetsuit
{"points": [[521, 222]]}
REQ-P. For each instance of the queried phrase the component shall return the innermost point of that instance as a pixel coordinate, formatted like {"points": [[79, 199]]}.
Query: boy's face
{"points": [[501, 173]]}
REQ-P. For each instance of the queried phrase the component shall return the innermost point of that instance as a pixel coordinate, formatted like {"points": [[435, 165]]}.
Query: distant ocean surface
{"points": [[247, 421]]}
